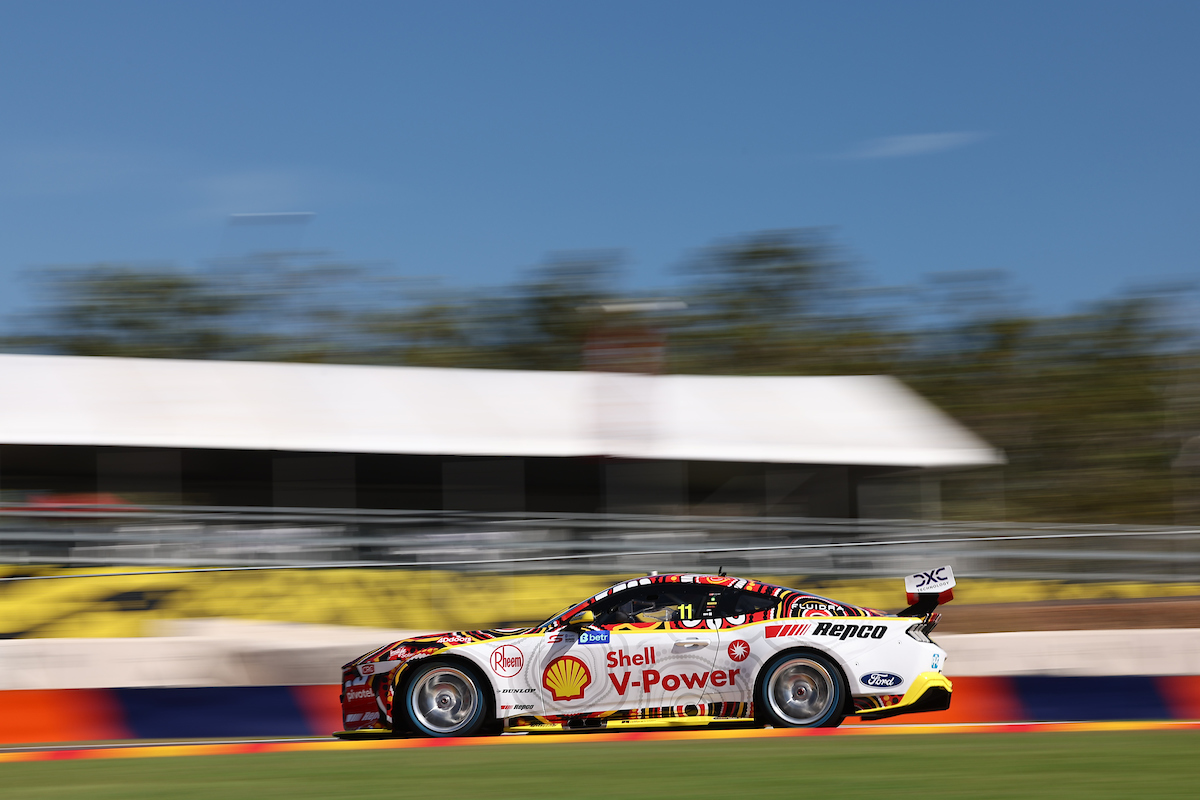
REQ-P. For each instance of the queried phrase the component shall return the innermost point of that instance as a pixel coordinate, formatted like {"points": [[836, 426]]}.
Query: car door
{"points": [[742, 649], [650, 647]]}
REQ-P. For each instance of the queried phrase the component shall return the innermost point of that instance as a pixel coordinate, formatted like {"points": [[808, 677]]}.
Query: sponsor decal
{"points": [[593, 637], [526, 707], [374, 668], [850, 631], [815, 609], [405, 652], [370, 716], [739, 650], [566, 677], [359, 694], [455, 639], [775, 631], [517, 691], [937, 662], [671, 682], [564, 636], [359, 681], [881, 680], [619, 659], [934, 581], [507, 660]]}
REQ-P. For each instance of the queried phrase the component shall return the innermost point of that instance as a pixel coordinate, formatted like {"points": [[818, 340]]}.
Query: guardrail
{"points": [[189, 537]]}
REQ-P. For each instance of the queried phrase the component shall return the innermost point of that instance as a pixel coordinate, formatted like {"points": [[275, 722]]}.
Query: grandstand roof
{"points": [[862, 420]]}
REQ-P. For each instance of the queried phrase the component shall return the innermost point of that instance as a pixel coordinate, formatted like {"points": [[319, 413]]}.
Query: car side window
{"points": [[659, 602], [740, 602]]}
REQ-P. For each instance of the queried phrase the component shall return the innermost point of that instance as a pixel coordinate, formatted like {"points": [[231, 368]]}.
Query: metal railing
{"points": [[205, 537]]}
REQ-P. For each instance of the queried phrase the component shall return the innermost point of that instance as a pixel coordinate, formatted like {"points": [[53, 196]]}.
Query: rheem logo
{"points": [[507, 660]]}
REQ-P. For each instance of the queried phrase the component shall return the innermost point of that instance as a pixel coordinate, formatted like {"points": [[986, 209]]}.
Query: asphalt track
{"points": [[212, 748]]}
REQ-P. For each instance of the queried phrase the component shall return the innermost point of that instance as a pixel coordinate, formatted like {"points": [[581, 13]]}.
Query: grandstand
{"points": [[167, 432]]}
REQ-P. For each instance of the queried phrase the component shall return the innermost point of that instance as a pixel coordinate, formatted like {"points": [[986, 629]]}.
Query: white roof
{"points": [[129, 402]]}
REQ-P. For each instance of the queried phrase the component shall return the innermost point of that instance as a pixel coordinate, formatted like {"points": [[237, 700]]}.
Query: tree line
{"points": [[1092, 408]]}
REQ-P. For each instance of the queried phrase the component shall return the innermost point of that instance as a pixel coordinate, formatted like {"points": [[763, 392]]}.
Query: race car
{"points": [[667, 649]]}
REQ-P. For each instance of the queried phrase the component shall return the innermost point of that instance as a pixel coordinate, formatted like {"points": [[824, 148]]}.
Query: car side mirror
{"points": [[581, 619]]}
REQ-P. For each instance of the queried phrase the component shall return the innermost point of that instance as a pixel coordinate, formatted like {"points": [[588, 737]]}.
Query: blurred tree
{"points": [[779, 303], [285, 307], [145, 311], [1077, 403], [436, 333], [541, 323], [545, 325]]}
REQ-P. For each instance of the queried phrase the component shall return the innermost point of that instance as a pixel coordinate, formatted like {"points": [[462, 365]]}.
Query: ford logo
{"points": [[882, 680]]}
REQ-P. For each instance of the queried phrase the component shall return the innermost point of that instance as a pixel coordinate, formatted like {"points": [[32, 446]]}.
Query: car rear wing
{"points": [[927, 590]]}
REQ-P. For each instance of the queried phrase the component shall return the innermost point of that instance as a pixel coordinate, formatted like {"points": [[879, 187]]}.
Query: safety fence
{"points": [[199, 537]]}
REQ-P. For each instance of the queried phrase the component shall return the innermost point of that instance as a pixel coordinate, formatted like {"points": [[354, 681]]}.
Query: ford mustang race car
{"points": [[665, 649]]}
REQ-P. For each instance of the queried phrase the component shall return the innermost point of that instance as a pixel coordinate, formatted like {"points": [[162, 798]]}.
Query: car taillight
{"points": [[922, 629], [918, 634]]}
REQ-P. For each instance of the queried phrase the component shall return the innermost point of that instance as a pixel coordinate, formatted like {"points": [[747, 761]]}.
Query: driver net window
{"points": [[659, 603], [741, 602]]}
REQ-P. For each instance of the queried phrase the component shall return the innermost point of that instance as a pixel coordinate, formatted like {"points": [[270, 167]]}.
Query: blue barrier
{"points": [[213, 712]]}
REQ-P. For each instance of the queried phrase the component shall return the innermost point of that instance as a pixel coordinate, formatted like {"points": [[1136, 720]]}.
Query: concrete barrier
{"points": [[1166, 651], [208, 653]]}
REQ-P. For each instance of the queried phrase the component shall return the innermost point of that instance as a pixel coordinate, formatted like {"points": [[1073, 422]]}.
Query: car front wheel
{"points": [[444, 699], [802, 690]]}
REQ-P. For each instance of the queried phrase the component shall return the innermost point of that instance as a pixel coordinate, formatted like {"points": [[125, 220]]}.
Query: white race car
{"points": [[663, 649]]}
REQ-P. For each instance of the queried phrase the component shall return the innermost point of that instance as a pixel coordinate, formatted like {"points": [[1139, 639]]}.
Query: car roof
{"points": [[731, 581]]}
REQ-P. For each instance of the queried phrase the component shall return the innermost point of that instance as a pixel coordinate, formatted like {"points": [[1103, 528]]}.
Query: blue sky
{"points": [[1056, 141]]}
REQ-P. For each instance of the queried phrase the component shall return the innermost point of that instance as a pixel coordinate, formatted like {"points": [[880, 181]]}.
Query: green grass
{"points": [[1158, 764]]}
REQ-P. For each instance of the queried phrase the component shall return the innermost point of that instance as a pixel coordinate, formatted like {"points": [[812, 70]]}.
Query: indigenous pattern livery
{"points": [[665, 649]]}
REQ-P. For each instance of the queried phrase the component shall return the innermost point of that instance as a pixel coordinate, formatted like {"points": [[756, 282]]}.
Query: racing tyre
{"points": [[801, 690], [445, 698]]}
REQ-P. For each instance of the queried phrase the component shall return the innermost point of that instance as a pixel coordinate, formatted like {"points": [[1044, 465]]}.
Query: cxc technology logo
{"points": [[934, 581], [881, 680]]}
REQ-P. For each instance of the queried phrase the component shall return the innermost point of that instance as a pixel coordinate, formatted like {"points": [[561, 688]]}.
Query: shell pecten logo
{"points": [[566, 677]]}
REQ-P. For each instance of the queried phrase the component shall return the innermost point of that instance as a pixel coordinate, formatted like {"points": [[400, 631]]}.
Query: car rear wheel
{"points": [[444, 698], [802, 690]]}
